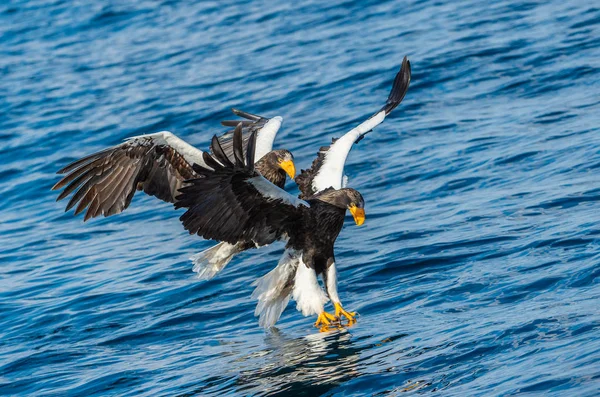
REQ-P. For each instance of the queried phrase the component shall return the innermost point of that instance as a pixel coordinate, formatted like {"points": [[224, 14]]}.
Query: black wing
{"points": [[327, 169], [232, 202], [252, 124], [105, 182]]}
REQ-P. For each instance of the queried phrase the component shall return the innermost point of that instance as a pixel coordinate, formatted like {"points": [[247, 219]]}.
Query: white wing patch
{"points": [[189, 153], [266, 137], [267, 189], [331, 172]]}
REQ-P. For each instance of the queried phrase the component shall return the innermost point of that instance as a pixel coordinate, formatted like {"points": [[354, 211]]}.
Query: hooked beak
{"points": [[289, 167], [358, 214]]}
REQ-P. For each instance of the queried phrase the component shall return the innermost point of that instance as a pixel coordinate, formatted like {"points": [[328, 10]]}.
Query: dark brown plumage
{"points": [[105, 182], [234, 203], [157, 164]]}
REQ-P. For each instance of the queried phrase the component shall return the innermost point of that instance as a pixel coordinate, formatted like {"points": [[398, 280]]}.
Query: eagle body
{"points": [[309, 253], [321, 225], [232, 202]]}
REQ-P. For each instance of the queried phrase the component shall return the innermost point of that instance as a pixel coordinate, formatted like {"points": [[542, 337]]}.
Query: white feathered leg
{"points": [[211, 261], [273, 290], [308, 294], [330, 278]]}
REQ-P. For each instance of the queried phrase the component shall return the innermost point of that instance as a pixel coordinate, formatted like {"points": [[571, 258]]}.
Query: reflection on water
{"points": [[308, 365]]}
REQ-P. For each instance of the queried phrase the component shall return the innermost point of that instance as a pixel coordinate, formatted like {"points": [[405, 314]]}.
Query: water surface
{"points": [[476, 273]]}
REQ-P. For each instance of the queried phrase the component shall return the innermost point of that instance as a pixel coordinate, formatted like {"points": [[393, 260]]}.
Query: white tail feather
{"points": [[273, 290], [211, 261]]}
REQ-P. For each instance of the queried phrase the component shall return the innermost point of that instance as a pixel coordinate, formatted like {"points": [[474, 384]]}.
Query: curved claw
{"points": [[325, 319], [339, 311]]}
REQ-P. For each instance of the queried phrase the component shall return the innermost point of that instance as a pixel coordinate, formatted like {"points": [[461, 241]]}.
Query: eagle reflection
{"points": [[309, 365]]}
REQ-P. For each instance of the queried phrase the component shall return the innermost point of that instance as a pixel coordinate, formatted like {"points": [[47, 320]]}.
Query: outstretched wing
{"points": [[265, 129], [232, 202], [105, 182], [327, 169]]}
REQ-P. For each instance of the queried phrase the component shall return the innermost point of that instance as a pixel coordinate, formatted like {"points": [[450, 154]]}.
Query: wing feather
{"points": [[75, 174], [238, 150], [93, 210], [235, 203], [111, 203], [105, 182], [82, 161], [210, 161], [327, 169], [251, 151], [246, 115], [220, 153], [266, 130]]}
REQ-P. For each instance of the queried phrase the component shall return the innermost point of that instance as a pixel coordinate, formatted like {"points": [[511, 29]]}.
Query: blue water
{"points": [[476, 273]]}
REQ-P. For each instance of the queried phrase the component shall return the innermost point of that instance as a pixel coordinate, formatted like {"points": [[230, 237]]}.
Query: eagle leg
{"points": [[339, 311]]}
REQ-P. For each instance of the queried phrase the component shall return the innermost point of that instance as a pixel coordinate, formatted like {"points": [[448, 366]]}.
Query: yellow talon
{"points": [[325, 319], [339, 311]]}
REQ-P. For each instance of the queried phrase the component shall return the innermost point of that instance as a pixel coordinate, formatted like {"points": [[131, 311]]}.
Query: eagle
{"points": [[233, 194], [230, 201], [158, 164]]}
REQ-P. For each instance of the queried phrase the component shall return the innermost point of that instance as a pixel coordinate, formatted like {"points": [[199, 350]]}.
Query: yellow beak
{"points": [[289, 167], [358, 214]]}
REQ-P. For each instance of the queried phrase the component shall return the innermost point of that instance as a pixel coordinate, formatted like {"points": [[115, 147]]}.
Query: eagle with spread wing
{"points": [[158, 164], [234, 195], [231, 202]]}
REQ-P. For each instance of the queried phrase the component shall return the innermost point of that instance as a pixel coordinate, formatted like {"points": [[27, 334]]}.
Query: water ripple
{"points": [[481, 244]]}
